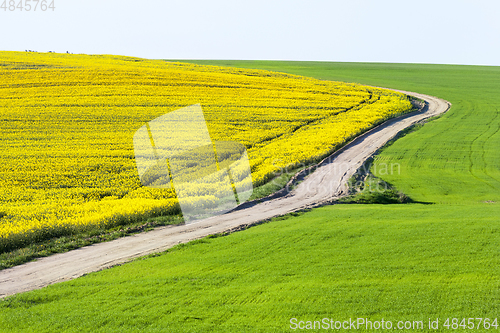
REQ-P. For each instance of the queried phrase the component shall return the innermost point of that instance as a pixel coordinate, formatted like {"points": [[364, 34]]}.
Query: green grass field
{"points": [[406, 262]]}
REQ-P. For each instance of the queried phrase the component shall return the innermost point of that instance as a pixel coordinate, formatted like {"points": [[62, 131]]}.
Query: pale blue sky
{"points": [[451, 32]]}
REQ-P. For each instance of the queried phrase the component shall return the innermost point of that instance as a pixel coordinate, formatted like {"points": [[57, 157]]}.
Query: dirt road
{"points": [[327, 182]]}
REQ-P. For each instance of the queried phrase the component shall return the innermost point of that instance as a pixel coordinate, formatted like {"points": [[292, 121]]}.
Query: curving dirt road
{"points": [[327, 182]]}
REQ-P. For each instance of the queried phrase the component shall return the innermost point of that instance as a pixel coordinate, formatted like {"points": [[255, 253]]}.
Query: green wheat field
{"points": [[436, 258]]}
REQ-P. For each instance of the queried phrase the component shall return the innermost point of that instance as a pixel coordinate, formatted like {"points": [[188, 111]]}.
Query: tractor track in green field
{"points": [[327, 183], [482, 151]]}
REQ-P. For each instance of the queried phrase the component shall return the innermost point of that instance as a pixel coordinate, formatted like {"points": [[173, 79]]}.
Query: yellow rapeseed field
{"points": [[67, 124]]}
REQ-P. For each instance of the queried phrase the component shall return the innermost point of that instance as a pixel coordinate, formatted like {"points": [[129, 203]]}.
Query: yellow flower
{"points": [[67, 122]]}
